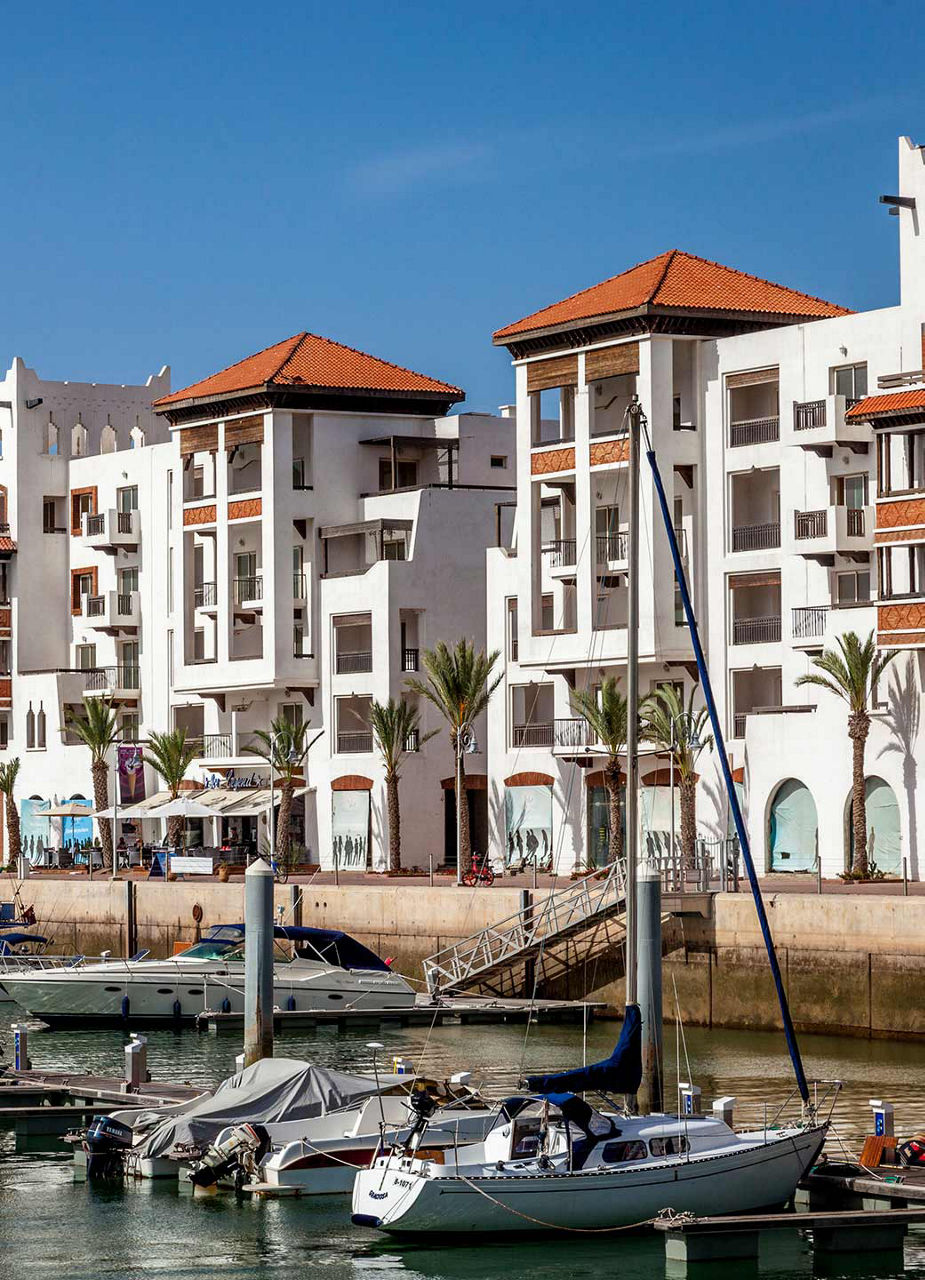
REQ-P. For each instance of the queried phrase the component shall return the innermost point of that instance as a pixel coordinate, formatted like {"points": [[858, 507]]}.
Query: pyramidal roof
{"points": [[310, 362], [681, 281]]}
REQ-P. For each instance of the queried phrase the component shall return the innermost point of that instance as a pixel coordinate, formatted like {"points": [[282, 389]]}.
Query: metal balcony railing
{"points": [[809, 621], [410, 659], [575, 732], [754, 431], [611, 546], [298, 642], [215, 746], [808, 415], [354, 743], [124, 604], [738, 724], [205, 595], [248, 589], [298, 586], [855, 522], [810, 524], [96, 525], [123, 521], [413, 740], [561, 552], [348, 663], [756, 630], [96, 606], [121, 677], [533, 735], [756, 537]]}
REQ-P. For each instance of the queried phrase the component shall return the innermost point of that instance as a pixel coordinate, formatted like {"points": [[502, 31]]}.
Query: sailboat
{"points": [[552, 1161]]}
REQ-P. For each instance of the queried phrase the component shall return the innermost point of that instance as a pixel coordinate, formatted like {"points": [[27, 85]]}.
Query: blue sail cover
{"points": [[620, 1073]]}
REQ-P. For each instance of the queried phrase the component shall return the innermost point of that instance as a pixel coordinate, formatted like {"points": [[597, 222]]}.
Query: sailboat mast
{"points": [[632, 703]]}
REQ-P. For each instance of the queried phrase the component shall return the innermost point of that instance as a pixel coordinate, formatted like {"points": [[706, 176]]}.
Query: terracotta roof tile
{"points": [[898, 402], [306, 360], [676, 279], [7, 544]]}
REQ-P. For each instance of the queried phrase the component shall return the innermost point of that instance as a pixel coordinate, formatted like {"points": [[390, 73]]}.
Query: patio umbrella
{"points": [[69, 809], [181, 808]]}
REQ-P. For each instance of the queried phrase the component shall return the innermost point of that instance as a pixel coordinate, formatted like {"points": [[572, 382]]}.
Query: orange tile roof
{"points": [[898, 402], [7, 544], [306, 360], [676, 279]]}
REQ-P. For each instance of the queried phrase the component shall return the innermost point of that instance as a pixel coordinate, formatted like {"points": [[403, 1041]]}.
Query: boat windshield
{"points": [[212, 949]]}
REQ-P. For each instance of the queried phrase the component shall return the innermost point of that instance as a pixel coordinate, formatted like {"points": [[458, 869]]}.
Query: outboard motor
{"points": [[422, 1104], [912, 1153], [106, 1142], [239, 1155]]}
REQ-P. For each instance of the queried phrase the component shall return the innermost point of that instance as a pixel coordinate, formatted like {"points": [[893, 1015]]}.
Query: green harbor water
{"points": [[51, 1226]]}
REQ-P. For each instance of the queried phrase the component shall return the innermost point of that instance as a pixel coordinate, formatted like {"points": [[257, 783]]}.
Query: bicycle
{"points": [[280, 871], [478, 873]]}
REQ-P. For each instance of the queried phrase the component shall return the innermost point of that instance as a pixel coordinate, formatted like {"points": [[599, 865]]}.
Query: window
{"points": [[170, 659], [128, 581], [675, 1145], [30, 729], [4, 582], [406, 473], [619, 1152], [169, 499], [512, 629], [852, 587], [83, 583], [50, 515], [4, 733], [85, 657], [850, 381], [197, 482], [5, 658], [78, 440], [679, 618], [129, 726], [676, 413], [199, 644], [851, 491], [393, 546], [127, 499], [291, 712], [51, 439], [298, 473], [83, 503], [547, 614], [40, 729], [499, 461], [108, 440], [170, 579]]}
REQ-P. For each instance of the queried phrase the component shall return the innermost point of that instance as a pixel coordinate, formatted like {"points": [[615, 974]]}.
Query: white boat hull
{"points": [[403, 1200]]}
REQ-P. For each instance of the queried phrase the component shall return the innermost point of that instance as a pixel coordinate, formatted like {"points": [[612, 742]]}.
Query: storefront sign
{"points": [[231, 782]]}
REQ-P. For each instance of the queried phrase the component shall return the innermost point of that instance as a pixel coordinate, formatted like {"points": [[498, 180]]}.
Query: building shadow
{"points": [[902, 718]]}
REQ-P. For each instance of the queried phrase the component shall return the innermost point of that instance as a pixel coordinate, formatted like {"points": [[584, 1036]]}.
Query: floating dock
{"points": [[446, 1012]]}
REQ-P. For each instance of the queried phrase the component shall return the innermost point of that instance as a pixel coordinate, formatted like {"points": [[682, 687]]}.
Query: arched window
{"points": [[108, 439], [78, 440], [793, 828], [30, 728], [137, 437], [40, 728], [51, 439], [884, 831]]}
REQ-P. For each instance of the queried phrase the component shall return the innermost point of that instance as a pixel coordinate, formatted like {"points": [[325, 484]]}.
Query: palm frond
{"points": [[171, 755], [460, 682], [605, 713], [97, 728], [9, 772]]}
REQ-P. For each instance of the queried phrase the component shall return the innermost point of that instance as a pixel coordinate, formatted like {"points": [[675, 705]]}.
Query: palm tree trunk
{"points": [[100, 772], [688, 789], [391, 795], [12, 826], [464, 853], [283, 834], [612, 782], [858, 729]]}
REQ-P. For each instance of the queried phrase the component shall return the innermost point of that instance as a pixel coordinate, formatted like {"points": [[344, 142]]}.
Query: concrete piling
{"points": [[649, 944], [258, 962]]}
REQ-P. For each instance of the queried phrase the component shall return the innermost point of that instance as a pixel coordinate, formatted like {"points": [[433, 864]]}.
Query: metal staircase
{"points": [[539, 944]]}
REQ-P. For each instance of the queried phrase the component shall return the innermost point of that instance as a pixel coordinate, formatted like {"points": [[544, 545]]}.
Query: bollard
{"points": [[258, 962], [723, 1109], [883, 1118], [136, 1061], [21, 1060], [689, 1100], [649, 970]]}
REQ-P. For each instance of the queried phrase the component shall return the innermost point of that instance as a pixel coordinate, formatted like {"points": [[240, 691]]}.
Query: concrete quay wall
{"points": [[851, 964]]}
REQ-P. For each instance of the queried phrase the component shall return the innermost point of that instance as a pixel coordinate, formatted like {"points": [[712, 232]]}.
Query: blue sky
{"points": [[187, 183]]}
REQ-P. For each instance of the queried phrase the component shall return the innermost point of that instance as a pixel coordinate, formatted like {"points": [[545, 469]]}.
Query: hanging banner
{"points": [[528, 823], [131, 774], [349, 829]]}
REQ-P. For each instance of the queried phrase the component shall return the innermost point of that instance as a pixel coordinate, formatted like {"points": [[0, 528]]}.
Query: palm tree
{"points": [[394, 724], [851, 672], [459, 684], [171, 755], [98, 730], [677, 729], [9, 772], [284, 748], [605, 716]]}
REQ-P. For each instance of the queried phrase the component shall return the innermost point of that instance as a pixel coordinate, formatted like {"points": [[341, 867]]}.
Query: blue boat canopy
{"points": [[8, 940], [620, 1073], [332, 946]]}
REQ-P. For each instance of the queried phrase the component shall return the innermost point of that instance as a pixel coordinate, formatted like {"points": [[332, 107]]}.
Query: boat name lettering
{"points": [[378, 1195]]}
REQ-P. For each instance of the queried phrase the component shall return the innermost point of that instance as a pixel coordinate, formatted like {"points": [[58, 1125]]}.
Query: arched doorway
{"points": [[598, 817], [793, 828], [884, 832]]}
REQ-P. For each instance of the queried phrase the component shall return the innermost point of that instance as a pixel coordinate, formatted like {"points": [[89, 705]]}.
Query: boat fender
{"points": [[177, 1009], [290, 1003], [126, 1006], [226, 1005]]}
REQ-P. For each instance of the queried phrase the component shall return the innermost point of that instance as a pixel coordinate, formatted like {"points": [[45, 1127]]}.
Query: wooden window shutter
{"points": [[610, 361], [752, 378], [199, 439], [558, 371], [246, 431]]}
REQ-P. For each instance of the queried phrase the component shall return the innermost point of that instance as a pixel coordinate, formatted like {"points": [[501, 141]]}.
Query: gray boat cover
{"points": [[271, 1091]]}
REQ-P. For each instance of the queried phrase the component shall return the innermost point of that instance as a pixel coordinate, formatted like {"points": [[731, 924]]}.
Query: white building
{"points": [[280, 539], [772, 475]]}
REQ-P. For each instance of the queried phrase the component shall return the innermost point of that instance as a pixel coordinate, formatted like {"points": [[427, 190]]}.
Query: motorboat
{"points": [[21, 953], [314, 970], [560, 1165]]}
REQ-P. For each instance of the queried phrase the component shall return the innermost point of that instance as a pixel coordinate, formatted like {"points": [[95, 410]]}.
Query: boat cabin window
{"points": [[211, 949], [675, 1145], [525, 1140], [619, 1152]]}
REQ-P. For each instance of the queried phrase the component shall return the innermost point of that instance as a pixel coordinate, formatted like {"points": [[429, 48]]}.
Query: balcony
{"points": [[754, 431], [532, 735], [833, 530], [808, 622], [352, 663], [358, 743], [301, 642], [819, 425], [299, 587], [248, 592], [572, 735], [224, 746], [205, 595], [559, 554], [111, 611], [756, 537], [611, 549], [756, 630], [114, 681], [111, 531], [410, 660]]}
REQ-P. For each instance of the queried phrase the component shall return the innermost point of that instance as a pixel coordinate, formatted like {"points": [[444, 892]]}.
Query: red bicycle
{"points": [[478, 873]]}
